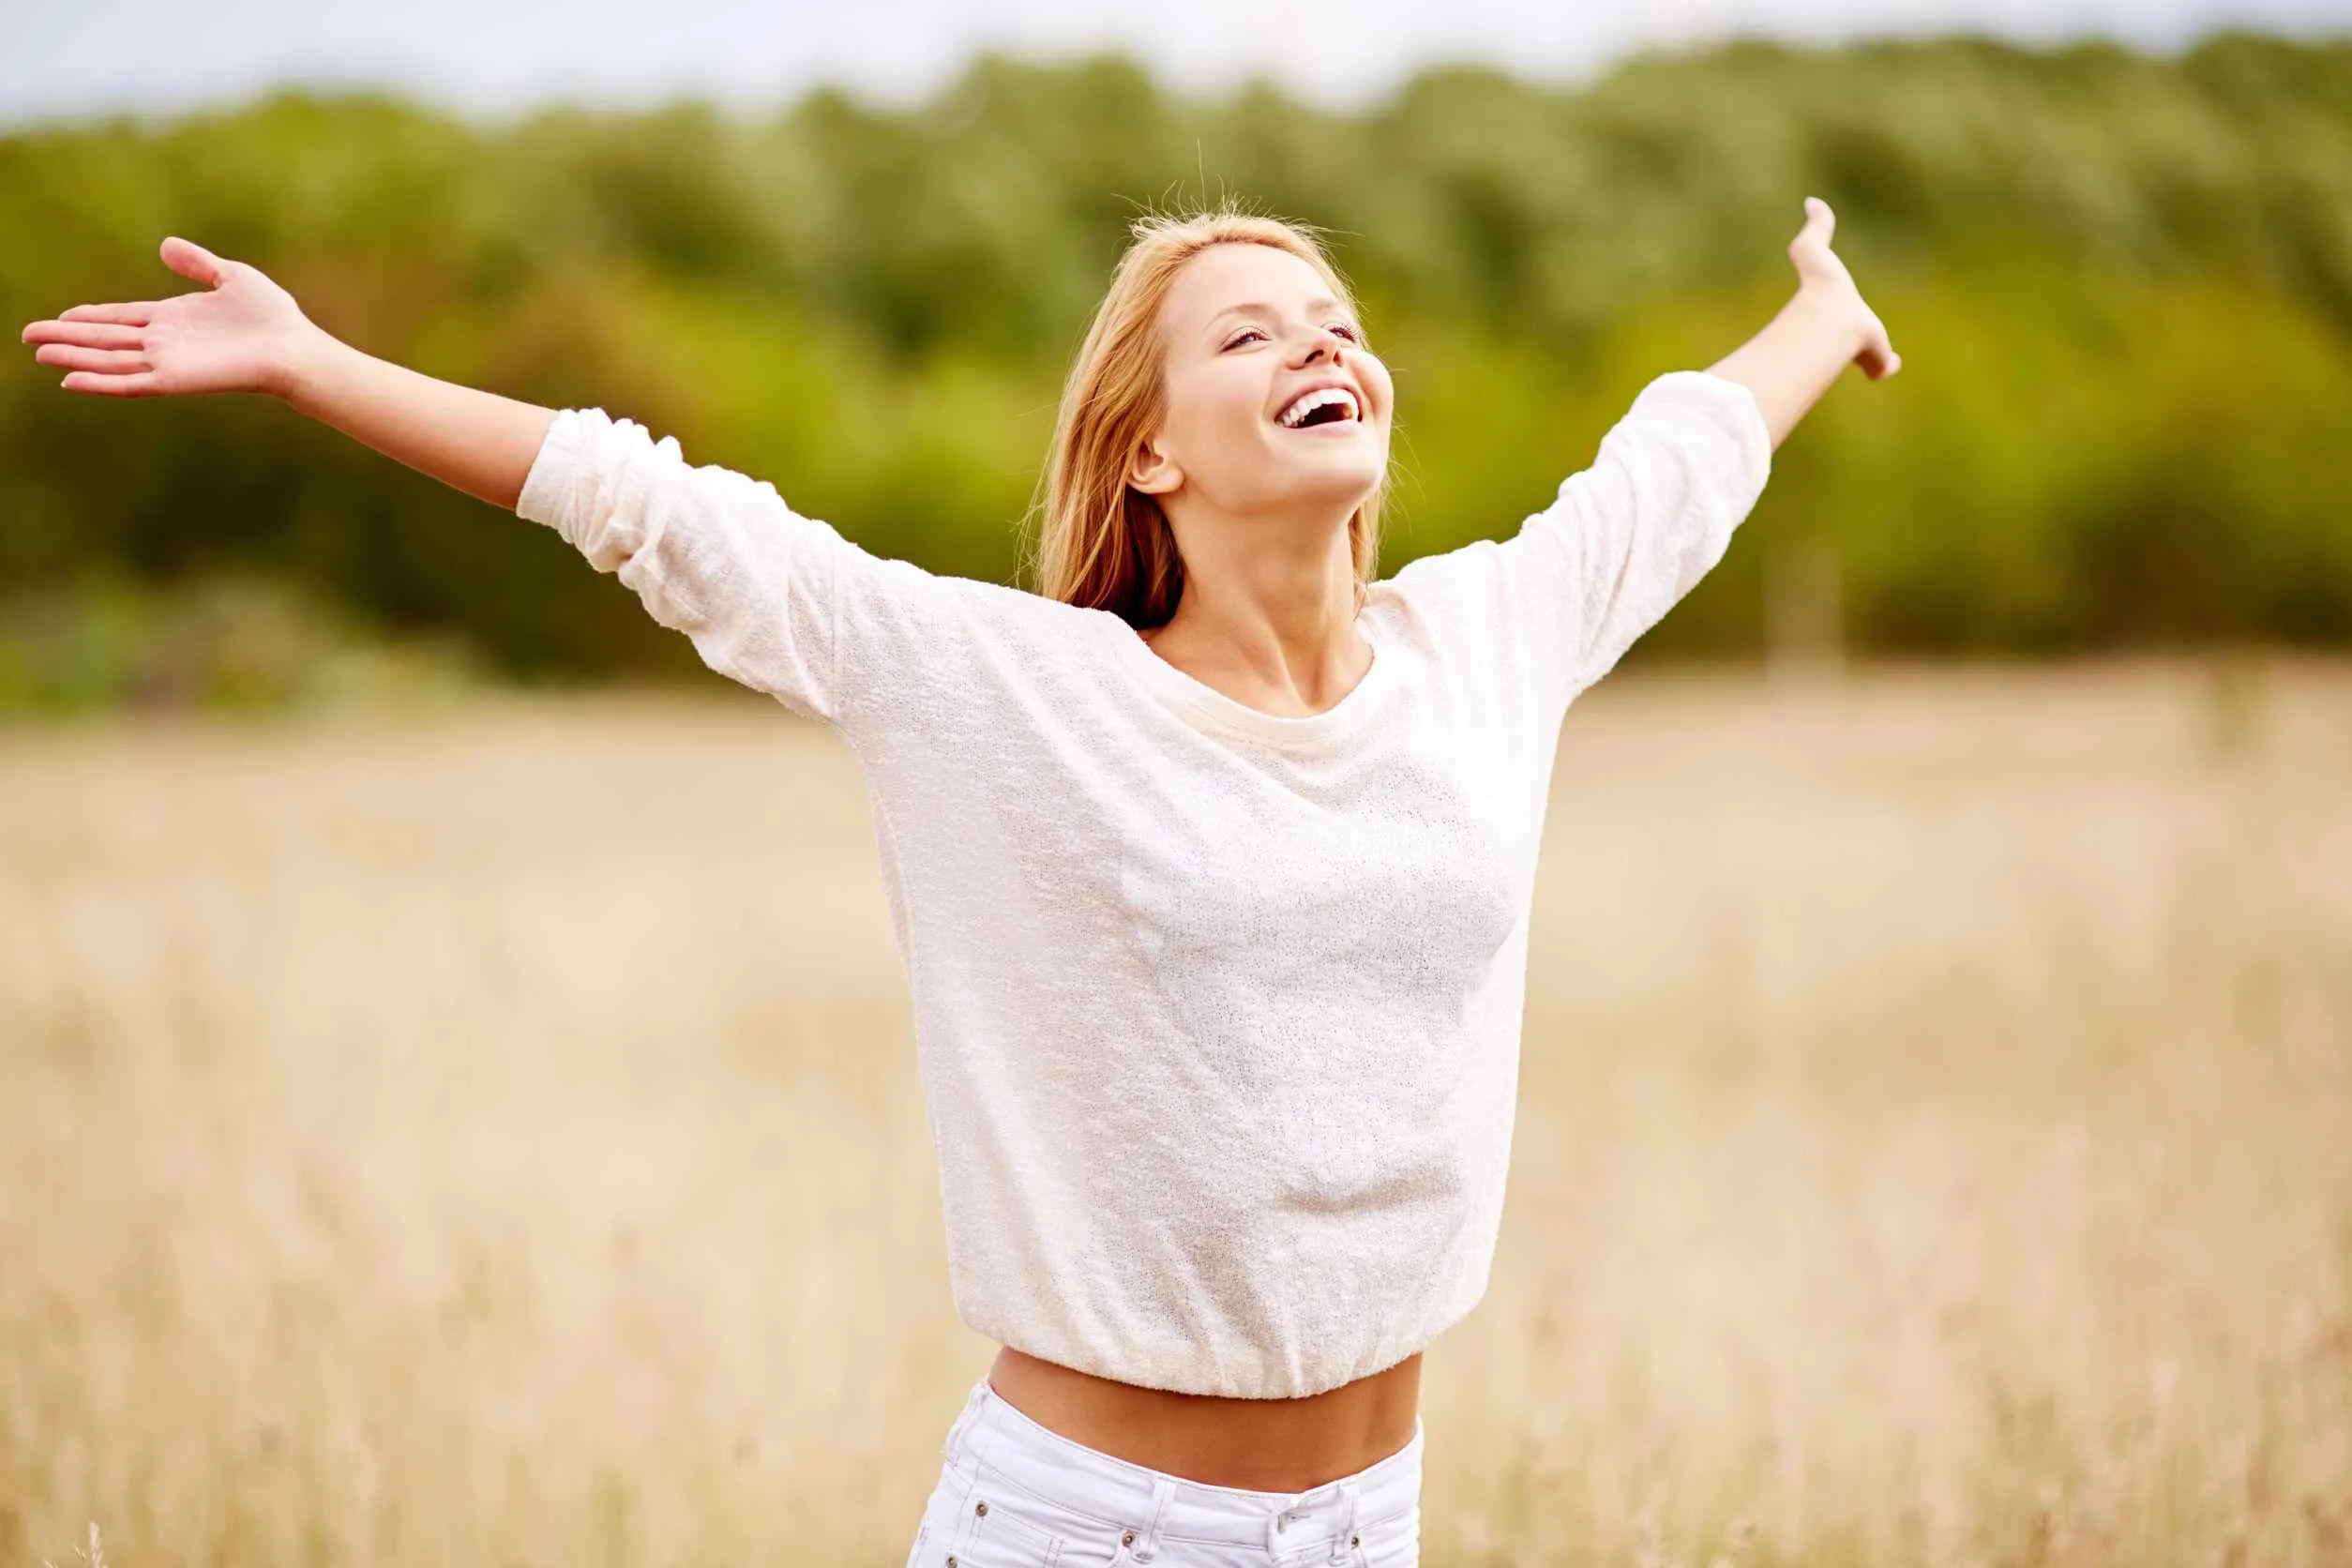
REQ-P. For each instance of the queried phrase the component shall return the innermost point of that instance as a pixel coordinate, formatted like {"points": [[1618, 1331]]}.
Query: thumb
{"points": [[1818, 216], [190, 259]]}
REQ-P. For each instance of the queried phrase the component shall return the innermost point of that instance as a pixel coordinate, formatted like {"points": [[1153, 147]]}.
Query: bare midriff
{"points": [[1259, 1445]]}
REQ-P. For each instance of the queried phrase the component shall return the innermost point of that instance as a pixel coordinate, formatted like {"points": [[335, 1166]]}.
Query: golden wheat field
{"points": [[491, 1135]]}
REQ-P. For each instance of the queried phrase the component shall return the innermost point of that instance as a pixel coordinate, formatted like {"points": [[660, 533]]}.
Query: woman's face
{"points": [[1247, 330]]}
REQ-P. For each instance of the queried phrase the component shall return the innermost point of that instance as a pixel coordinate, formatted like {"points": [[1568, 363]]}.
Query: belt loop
{"points": [[1163, 1490], [1276, 1522], [1343, 1532]]}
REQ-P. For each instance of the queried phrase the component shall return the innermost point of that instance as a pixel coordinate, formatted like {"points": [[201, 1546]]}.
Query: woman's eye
{"points": [[1248, 332]]}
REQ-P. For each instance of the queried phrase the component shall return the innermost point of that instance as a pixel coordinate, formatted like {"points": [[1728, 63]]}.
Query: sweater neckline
{"points": [[1205, 704]]}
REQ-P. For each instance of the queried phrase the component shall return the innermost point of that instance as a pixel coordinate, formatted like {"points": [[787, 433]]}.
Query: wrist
{"points": [[1834, 309], [304, 369]]}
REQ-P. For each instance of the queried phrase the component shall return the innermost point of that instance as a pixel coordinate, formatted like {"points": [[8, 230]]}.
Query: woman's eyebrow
{"points": [[1259, 308]]}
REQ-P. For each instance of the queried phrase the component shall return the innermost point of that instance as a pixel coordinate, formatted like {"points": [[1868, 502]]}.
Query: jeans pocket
{"points": [[1392, 1542], [1005, 1525], [1098, 1546]]}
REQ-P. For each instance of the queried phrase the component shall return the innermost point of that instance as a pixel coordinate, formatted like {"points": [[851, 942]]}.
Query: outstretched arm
{"points": [[780, 602], [1555, 606], [1825, 327], [243, 333], [1636, 531]]}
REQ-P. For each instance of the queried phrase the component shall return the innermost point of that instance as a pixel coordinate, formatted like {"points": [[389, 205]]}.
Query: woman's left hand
{"points": [[1823, 278]]}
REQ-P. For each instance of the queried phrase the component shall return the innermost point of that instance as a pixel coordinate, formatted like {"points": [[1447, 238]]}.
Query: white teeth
{"points": [[1307, 402]]}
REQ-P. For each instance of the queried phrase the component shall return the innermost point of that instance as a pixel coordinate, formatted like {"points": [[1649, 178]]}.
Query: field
{"points": [[491, 1135]]}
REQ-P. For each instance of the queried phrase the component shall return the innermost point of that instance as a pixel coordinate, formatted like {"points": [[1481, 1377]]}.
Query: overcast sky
{"points": [[65, 59]]}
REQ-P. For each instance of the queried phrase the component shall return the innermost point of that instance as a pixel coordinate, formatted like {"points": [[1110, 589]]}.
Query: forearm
{"points": [[478, 442], [1796, 358]]}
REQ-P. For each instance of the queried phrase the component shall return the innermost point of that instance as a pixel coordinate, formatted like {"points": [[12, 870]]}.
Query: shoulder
{"points": [[951, 641], [1017, 612], [1448, 593]]}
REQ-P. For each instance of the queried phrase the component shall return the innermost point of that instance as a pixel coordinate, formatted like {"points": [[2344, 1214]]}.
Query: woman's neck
{"points": [[1275, 635]]}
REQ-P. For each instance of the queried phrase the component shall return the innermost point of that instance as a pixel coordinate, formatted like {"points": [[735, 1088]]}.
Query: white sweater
{"points": [[1216, 1012]]}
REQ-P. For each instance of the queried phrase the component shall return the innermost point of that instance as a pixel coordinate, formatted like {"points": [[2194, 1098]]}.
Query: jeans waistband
{"points": [[1160, 1507]]}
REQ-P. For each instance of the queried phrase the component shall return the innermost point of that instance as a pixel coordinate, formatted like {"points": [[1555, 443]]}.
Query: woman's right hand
{"points": [[240, 333]]}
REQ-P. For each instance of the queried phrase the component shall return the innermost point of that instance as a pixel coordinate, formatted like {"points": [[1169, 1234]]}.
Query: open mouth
{"points": [[1327, 405]]}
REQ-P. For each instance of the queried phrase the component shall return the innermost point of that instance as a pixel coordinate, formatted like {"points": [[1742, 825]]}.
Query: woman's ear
{"points": [[1151, 472]]}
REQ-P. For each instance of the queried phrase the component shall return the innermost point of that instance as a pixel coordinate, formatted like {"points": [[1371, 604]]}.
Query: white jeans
{"points": [[1014, 1495]]}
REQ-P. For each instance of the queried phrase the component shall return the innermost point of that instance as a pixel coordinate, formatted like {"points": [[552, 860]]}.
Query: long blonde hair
{"points": [[1102, 545]]}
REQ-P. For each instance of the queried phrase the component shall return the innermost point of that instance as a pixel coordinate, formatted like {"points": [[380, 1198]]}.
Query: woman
{"points": [[1210, 862]]}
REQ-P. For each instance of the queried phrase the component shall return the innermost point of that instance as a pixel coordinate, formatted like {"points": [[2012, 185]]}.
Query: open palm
{"points": [[237, 333]]}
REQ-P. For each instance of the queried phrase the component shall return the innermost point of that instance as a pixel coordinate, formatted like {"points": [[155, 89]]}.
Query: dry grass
{"points": [[89, 1554], [494, 1139]]}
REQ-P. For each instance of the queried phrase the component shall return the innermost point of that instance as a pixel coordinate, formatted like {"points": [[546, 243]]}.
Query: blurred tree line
{"points": [[2121, 284]]}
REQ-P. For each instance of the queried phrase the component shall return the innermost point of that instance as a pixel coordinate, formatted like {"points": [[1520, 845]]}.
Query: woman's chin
{"points": [[1340, 452], [1348, 474]]}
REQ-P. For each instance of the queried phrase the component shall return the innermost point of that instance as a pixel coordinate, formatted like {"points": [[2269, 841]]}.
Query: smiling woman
{"points": [[1211, 863], [1245, 484], [1168, 421]]}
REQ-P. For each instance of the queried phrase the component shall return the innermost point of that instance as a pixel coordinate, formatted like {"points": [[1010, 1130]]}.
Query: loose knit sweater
{"points": [[1216, 1011]]}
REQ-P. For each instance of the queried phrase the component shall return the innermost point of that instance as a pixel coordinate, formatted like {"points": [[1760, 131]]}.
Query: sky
{"points": [[495, 59]]}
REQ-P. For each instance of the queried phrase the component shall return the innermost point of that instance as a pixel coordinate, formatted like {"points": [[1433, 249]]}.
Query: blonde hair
{"points": [[1102, 545]]}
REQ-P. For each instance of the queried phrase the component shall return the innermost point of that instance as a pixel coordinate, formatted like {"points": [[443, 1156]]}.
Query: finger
{"points": [[190, 259], [105, 385], [74, 358], [88, 335], [1817, 212], [137, 314]]}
